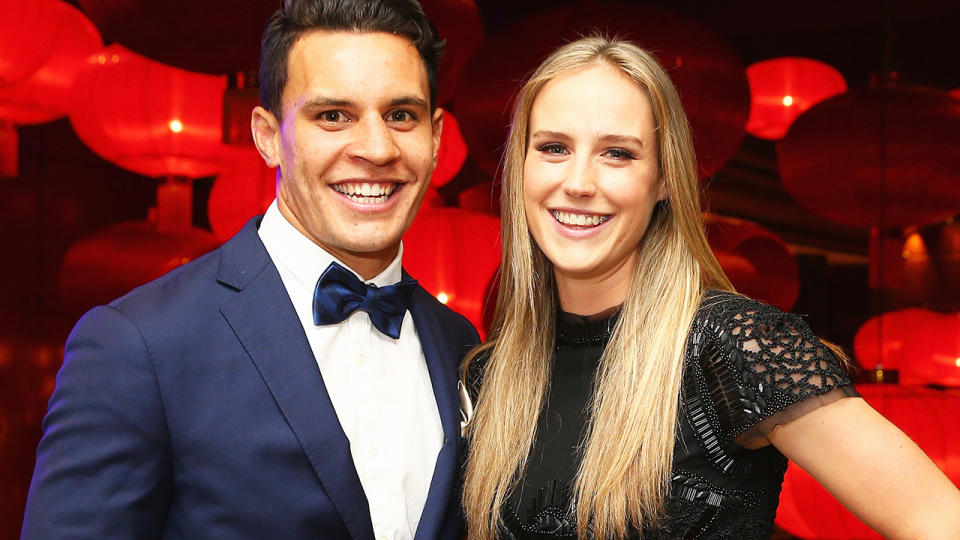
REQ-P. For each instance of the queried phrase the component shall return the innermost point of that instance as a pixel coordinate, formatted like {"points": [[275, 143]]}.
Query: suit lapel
{"points": [[267, 326], [442, 369]]}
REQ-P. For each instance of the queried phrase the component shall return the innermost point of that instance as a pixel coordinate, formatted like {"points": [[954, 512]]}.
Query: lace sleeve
{"points": [[771, 368]]}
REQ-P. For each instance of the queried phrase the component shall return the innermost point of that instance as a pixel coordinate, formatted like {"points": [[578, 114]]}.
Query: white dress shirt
{"points": [[380, 387]]}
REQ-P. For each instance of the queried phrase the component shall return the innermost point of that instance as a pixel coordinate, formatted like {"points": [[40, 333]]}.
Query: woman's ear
{"points": [[662, 193], [266, 135]]}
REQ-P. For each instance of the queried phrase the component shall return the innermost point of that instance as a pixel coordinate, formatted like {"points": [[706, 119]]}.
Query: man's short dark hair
{"points": [[401, 17]]}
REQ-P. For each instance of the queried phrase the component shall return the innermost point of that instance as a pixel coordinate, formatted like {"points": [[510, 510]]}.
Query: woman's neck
{"points": [[588, 295]]}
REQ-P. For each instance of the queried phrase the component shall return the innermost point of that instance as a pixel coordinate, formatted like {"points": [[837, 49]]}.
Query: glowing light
{"points": [[115, 59], [787, 101], [443, 298], [176, 126], [957, 362], [102, 59]]}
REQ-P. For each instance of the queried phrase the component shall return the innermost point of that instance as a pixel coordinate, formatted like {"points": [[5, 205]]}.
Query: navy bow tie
{"points": [[339, 293]]}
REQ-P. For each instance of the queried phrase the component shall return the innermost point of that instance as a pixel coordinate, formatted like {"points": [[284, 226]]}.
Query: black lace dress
{"points": [[749, 367]]}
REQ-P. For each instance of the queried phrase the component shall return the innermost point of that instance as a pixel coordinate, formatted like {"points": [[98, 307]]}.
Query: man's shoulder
{"points": [[199, 285]]}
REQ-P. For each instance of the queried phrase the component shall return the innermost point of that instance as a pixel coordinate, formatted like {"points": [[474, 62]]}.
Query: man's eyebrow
{"points": [[322, 102], [409, 101]]}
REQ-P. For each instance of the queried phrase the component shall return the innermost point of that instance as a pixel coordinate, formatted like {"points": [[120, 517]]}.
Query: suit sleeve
{"points": [[103, 465]]}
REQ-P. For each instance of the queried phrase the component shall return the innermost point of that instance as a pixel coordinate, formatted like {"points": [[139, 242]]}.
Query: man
{"points": [[264, 391]]}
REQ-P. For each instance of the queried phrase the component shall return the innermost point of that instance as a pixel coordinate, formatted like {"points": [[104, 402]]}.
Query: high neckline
{"points": [[572, 328]]}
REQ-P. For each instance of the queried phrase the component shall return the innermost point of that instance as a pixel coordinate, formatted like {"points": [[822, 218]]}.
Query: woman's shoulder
{"points": [[757, 354]]}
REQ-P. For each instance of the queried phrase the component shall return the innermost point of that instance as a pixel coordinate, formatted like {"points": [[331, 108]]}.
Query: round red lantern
{"points": [[454, 254], [118, 258], [922, 345], [783, 88], [927, 416], [28, 34], [45, 93], [775, 276], [876, 157], [150, 118], [707, 72], [243, 191], [452, 154]]}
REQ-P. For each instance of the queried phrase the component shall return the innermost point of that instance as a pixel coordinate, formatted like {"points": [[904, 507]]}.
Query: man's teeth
{"points": [[581, 220], [365, 192]]}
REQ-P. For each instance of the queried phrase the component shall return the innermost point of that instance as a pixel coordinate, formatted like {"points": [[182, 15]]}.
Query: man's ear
{"points": [[437, 130], [266, 135]]}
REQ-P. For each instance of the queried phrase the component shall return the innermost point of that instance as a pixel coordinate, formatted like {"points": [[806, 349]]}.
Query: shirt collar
{"points": [[306, 260]]}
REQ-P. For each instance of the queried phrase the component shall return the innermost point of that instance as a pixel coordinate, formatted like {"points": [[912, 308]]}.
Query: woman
{"points": [[626, 390]]}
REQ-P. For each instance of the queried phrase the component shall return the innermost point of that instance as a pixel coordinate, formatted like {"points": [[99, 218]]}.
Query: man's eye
{"points": [[332, 116], [552, 148], [400, 116]]}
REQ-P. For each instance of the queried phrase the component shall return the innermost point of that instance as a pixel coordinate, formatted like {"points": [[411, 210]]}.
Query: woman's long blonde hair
{"points": [[628, 448]]}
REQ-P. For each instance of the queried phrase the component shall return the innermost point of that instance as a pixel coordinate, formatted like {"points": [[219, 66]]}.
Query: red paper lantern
{"points": [[922, 345], [707, 72], [928, 416], [876, 157], [118, 258], [452, 154], [44, 94], [28, 34], [454, 254], [775, 277], [244, 191], [150, 118], [783, 88]]}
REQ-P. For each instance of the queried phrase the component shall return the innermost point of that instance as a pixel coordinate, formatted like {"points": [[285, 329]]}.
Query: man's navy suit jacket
{"points": [[193, 408]]}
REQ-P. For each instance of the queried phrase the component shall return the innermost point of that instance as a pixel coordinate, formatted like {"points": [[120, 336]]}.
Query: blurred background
{"points": [[827, 133]]}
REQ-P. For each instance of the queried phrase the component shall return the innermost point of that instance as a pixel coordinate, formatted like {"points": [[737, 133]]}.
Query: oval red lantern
{"points": [[781, 89], [149, 117], [928, 416], [112, 261], [452, 154], [922, 345], [876, 157], [454, 254], [44, 95], [243, 191], [705, 69], [775, 277], [28, 34]]}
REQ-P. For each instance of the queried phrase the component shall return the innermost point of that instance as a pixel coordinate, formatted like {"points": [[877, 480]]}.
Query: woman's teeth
{"points": [[365, 193], [580, 220]]}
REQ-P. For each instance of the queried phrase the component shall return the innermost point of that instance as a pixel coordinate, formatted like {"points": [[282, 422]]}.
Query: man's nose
{"points": [[580, 180], [374, 142]]}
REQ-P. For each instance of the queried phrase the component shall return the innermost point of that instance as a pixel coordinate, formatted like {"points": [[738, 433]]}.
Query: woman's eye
{"points": [[552, 148], [620, 153]]}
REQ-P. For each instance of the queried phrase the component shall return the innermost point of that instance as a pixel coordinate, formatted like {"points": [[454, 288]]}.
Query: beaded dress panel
{"points": [[748, 368]]}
